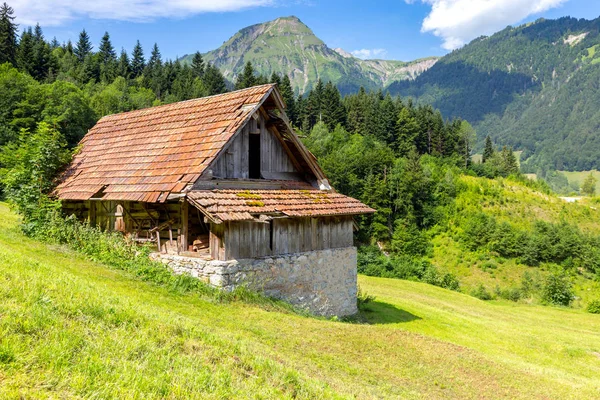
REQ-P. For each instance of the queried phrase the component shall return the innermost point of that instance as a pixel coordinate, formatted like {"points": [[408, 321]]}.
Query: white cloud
{"points": [[459, 21], [369, 53], [57, 12]]}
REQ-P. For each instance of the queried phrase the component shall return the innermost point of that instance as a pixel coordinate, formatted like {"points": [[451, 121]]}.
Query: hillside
{"points": [[288, 46], [511, 202], [534, 87], [74, 328]]}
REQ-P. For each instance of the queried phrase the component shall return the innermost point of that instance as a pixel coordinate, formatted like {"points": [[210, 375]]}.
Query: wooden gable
{"points": [[257, 152]]}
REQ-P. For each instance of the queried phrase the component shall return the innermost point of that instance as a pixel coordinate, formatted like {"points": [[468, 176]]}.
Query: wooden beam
{"points": [[184, 226]]}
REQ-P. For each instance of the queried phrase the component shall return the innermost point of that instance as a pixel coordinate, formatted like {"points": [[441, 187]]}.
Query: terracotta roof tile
{"points": [[140, 155], [231, 205]]}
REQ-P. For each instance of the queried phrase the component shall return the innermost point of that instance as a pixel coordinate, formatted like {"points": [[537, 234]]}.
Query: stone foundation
{"points": [[322, 281]]}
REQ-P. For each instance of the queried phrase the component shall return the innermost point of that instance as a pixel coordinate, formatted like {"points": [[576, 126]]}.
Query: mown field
{"points": [[72, 328]]}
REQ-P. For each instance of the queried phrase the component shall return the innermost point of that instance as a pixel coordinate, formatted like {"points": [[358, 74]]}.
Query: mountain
{"points": [[287, 46], [535, 87]]}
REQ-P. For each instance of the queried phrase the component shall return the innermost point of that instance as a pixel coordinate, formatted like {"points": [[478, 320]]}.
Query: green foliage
{"points": [[30, 167], [557, 290], [588, 187], [371, 261], [8, 35], [482, 293], [363, 299], [593, 307]]}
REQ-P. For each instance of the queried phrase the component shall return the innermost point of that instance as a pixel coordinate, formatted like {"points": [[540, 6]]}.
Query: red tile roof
{"points": [[146, 154], [234, 205]]}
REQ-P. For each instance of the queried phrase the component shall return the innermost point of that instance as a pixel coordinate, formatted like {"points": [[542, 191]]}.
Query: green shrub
{"points": [[363, 299], [557, 290], [512, 294], [594, 306], [481, 293]]}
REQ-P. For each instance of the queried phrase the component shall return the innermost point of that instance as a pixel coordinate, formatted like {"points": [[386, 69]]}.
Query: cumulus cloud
{"points": [[369, 53], [459, 21], [58, 12]]}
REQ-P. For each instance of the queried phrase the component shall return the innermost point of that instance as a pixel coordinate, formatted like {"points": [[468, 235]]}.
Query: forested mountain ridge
{"points": [[288, 47], [534, 87]]}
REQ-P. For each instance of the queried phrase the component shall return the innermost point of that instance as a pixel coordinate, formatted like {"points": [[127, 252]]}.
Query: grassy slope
{"points": [[519, 205], [73, 328]]}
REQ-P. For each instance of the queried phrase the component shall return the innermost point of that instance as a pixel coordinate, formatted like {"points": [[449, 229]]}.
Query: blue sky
{"points": [[391, 29]]}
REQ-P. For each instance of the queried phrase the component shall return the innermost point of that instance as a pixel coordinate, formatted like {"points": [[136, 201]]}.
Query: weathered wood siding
{"points": [[285, 235], [234, 162]]}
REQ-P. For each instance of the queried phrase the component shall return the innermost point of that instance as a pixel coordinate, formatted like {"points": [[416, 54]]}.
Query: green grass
{"points": [[72, 328], [577, 177]]}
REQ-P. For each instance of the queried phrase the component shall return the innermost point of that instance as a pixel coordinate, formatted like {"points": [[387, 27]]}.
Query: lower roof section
{"points": [[248, 205]]}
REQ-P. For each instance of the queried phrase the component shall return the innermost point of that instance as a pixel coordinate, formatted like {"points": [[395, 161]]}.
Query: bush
{"points": [[594, 306], [512, 294], [557, 290], [481, 293], [363, 299]]}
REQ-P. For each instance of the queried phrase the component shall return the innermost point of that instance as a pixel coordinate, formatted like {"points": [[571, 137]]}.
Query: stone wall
{"points": [[322, 281]]}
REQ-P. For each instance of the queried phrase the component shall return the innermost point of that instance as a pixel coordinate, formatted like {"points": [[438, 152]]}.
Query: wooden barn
{"points": [[219, 178]]}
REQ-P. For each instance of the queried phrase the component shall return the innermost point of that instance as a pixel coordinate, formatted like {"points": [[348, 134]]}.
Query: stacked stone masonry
{"points": [[323, 281]]}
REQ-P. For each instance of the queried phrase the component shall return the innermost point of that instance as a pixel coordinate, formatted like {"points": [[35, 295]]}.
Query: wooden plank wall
{"points": [[234, 163], [274, 158], [290, 235]]}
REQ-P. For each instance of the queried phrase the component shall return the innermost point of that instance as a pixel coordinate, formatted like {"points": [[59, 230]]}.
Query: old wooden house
{"points": [[226, 191]]}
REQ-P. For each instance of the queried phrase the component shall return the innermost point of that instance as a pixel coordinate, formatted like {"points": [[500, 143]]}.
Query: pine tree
{"points": [[138, 63], [8, 35], [275, 78], [198, 65], [287, 93], [83, 47], [333, 111], [123, 67], [155, 58], [214, 80], [107, 59], [246, 79], [106, 50], [588, 187], [25, 60], [488, 151], [41, 55]]}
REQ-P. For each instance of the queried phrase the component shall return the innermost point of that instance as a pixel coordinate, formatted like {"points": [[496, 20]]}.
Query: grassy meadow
{"points": [[577, 177], [72, 328]]}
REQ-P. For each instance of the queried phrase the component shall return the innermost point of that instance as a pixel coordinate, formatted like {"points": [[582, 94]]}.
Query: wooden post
{"points": [[184, 227]]}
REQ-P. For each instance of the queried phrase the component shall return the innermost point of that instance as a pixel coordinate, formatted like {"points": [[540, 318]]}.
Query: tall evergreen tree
{"points": [[123, 66], [41, 55], [106, 50], [155, 59], [138, 63], [25, 60], [276, 79], [107, 59], [83, 47], [332, 109], [214, 81], [8, 35], [246, 79], [198, 65], [488, 151], [288, 97]]}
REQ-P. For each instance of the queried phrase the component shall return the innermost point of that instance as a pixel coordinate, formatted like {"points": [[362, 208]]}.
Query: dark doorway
{"points": [[254, 156]]}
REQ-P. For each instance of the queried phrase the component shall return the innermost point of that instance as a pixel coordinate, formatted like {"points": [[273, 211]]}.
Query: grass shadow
{"points": [[378, 312]]}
